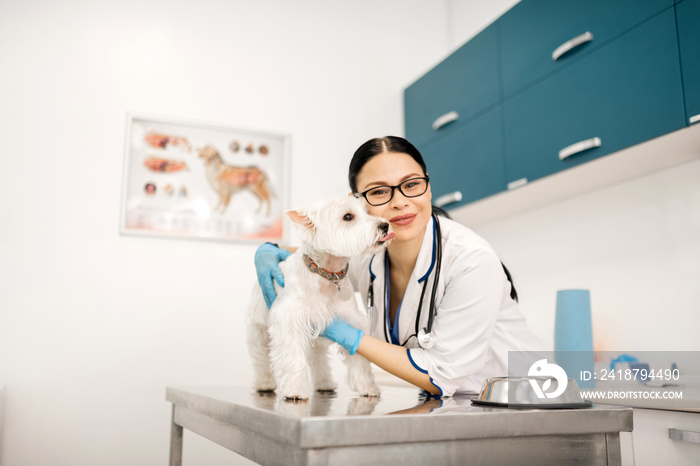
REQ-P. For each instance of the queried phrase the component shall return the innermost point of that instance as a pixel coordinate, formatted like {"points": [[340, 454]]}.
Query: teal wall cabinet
{"points": [[468, 159], [688, 13], [459, 88], [535, 32], [553, 84], [624, 93]]}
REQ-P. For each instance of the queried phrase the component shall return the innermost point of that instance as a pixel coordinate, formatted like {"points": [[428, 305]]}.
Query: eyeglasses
{"points": [[380, 195]]}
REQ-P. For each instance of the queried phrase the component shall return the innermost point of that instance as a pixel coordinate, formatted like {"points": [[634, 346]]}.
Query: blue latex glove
{"points": [[622, 358], [342, 333], [267, 259]]}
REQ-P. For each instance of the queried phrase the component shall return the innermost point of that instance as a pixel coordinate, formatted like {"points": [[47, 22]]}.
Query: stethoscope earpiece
{"points": [[426, 340]]}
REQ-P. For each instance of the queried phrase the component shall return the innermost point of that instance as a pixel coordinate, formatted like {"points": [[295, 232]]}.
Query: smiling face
{"points": [[408, 216]]}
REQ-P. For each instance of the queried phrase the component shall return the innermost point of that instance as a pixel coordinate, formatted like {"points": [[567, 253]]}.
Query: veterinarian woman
{"points": [[444, 310]]}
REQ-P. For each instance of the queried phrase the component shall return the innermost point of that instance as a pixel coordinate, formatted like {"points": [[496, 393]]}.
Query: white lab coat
{"points": [[477, 322]]}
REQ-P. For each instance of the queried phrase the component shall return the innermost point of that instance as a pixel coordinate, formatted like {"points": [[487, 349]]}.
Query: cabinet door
{"points": [[625, 93], [688, 14], [465, 83], [533, 29], [652, 445], [469, 160]]}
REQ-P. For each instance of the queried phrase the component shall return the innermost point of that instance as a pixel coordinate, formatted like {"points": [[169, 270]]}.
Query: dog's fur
{"points": [[284, 341], [227, 180]]}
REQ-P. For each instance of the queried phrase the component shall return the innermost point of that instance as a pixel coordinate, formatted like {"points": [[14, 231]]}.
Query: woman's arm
{"points": [[465, 321], [394, 359]]}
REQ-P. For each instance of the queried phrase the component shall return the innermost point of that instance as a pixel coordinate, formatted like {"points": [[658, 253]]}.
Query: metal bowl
{"points": [[530, 392]]}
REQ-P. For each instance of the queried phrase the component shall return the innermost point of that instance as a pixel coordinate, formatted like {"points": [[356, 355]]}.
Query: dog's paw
{"points": [[295, 393], [325, 390], [326, 386], [368, 389], [296, 408], [266, 386]]}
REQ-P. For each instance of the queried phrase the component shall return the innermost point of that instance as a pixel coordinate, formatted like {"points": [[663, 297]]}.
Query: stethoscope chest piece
{"points": [[426, 340]]}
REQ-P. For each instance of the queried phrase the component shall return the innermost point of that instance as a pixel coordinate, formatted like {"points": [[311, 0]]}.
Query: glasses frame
{"points": [[364, 194]]}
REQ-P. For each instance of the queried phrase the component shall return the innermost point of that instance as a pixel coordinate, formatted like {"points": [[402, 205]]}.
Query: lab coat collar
{"points": [[425, 263], [427, 245], [409, 320]]}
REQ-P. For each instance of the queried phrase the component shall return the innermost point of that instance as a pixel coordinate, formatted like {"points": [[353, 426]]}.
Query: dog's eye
{"points": [[348, 217]]}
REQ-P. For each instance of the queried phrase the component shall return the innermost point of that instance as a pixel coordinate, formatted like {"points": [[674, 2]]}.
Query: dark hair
{"points": [[377, 146]]}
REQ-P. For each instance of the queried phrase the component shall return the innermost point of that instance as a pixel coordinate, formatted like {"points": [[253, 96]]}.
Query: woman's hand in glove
{"points": [[342, 333], [267, 259]]}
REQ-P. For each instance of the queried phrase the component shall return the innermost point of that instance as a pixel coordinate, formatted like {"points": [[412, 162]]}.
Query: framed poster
{"points": [[193, 180]]}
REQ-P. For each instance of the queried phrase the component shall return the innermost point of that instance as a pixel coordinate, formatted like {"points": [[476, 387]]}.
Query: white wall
{"points": [[466, 18], [94, 325], [634, 245]]}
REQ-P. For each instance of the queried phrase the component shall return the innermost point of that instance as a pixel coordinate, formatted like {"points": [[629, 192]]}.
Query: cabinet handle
{"points": [[448, 117], [694, 119], [579, 147], [571, 44], [517, 183], [684, 435], [448, 198]]}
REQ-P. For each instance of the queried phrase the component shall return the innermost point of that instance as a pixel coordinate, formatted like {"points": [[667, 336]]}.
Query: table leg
{"points": [[612, 440], [175, 442]]}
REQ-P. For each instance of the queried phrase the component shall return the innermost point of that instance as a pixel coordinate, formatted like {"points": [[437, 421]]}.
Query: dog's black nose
{"points": [[384, 228]]}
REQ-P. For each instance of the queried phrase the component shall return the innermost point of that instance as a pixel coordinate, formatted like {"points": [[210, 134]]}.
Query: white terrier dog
{"points": [[284, 341]]}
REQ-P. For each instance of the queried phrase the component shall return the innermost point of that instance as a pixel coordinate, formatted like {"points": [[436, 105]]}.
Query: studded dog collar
{"points": [[333, 277]]}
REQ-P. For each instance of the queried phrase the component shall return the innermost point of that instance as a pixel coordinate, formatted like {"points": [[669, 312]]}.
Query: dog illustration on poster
{"points": [[228, 180]]}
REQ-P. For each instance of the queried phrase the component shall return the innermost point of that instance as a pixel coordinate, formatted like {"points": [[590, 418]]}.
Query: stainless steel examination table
{"points": [[401, 427]]}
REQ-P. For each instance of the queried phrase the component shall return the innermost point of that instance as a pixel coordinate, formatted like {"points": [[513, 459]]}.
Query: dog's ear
{"points": [[301, 218]]}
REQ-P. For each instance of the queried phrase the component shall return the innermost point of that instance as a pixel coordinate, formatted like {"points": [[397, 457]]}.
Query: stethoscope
{"points": [[426, 339]]}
